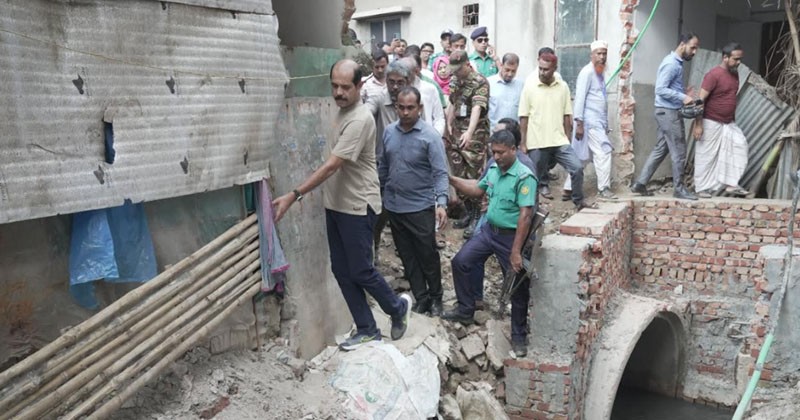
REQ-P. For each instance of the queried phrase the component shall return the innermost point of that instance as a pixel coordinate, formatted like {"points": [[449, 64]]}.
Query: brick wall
{"points": [[556, 388], [704, 254], [708, 252]]}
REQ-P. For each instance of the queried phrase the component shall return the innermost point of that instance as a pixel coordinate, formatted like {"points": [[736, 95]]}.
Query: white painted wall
{"points": [[661, 37]]}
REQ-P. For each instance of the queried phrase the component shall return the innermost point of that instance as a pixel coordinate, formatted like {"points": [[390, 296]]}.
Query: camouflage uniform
{"points": [[469, 162]]}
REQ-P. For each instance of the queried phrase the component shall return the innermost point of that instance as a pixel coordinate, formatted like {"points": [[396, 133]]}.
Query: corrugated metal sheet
{"points": [[759, 113], [244, 6], [192, 94], [781, 185], [761, 118]]}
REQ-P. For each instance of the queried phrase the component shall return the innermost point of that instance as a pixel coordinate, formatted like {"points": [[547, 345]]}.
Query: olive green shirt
{"points": [[355, 186]]}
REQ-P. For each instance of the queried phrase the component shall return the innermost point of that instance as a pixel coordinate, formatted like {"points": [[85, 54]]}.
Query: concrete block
{"points": [[585, 224], [479, 404], [498, 346], [472, 346], [448, 408], [517, 386]]}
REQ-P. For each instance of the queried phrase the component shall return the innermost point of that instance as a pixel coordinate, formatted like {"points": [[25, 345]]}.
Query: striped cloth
{"points": [[720, 156]]}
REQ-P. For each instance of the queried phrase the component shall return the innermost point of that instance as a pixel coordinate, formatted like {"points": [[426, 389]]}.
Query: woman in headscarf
{"points": [[441, 73]]}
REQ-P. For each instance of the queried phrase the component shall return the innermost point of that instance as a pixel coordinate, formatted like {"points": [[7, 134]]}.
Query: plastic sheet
{"points": [[385, 385], [110, 244]]}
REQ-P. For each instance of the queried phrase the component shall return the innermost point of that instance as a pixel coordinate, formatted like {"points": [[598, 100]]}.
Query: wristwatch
{"points": [[297, 195]]}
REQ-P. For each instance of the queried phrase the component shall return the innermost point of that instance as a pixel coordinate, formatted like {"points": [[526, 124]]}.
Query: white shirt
{"points": [[432, 110]]}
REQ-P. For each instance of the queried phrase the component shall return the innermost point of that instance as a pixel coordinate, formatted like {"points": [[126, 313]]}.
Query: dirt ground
{"points": [[270, 382]]}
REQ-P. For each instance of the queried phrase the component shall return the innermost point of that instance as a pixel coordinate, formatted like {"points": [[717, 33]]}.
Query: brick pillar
{"points": [[626, 101]]}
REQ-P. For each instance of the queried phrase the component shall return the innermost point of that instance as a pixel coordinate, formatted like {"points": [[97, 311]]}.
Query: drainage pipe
{"points": [[787, 274], [635, 44]]}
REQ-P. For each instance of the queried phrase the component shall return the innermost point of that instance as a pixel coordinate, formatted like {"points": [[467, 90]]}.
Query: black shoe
{"points": [[422, 306], [436, 307], [520, 348], [566, 195], [464, 221], [682, 192], [470, 230], [641, 190], [457, 316], [400, 322]]}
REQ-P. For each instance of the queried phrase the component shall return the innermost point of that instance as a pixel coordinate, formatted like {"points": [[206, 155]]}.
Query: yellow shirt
{"points": [[545, 106]]}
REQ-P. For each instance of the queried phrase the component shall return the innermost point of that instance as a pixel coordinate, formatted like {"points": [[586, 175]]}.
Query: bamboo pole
{"points": [[140, 343], [65, 361], [184, 337], [122, 323], [124, 302], [117, 359], [787, 6], [107, 409], [129, 338]]}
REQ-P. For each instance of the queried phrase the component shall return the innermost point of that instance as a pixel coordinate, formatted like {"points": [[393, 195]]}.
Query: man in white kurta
{"points": [[590, 113], [721, 147]]}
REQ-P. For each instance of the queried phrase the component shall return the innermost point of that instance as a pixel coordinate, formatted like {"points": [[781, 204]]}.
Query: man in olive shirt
{"points": [[352, 198], [511, 188]]}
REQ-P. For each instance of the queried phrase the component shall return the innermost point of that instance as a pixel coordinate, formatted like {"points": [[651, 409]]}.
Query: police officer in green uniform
{"points": [[483, 59], [468, 125], [511, 188]]}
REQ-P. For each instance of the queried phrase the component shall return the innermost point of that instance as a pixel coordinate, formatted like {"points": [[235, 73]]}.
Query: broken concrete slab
{"points": [[498, 346], [448, 408], [472, 346], [479, 404]]}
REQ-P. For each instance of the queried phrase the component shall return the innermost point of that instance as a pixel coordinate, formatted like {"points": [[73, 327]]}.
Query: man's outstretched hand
{"points": [[281, 204]]}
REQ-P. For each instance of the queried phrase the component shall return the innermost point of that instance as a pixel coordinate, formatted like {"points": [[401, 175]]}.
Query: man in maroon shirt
{"points": [[721, 149]]}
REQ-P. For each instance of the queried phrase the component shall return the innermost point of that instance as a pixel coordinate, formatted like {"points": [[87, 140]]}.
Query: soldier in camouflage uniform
{"points": [[468, 123]]}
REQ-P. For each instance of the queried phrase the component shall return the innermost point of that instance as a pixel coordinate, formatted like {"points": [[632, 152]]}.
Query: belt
{"points": [[501, 231]]}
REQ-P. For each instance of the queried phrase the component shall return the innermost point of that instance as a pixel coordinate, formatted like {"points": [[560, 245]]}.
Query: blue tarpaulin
{"points": [[109, 244]]}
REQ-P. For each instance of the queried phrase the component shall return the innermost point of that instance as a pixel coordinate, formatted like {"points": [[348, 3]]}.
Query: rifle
{"points": [[512, 280]]}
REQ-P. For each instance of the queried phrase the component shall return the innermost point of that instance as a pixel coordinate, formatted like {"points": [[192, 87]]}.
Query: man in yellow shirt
{"points": [[545, 119]]}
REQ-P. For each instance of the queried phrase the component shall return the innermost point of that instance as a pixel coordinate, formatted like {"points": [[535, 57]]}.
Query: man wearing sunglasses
{"points": [[483, 59]]}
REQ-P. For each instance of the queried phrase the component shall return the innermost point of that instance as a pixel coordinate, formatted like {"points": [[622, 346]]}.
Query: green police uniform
{"points": [[508, 192], [484, 65], [464, 95]]}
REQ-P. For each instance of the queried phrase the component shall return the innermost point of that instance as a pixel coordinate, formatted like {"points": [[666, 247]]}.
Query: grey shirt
{"points": [[412, 169]]}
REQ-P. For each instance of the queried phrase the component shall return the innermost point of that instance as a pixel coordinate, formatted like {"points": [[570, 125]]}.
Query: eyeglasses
{"points": [[482, 40], [427, 51]]}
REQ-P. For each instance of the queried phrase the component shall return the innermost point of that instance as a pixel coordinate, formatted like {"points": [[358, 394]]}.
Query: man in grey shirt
{"points": [[413, 175]]}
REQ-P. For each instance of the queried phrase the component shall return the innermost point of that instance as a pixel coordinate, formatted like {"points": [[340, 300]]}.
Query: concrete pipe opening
{"points": [[650, 385]]}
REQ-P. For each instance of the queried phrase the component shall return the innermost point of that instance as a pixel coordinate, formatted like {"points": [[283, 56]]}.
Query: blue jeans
{"points": [[564, 156], [468, 265], [350, 242]]}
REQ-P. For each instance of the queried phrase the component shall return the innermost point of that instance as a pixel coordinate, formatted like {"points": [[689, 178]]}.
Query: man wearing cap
{"points": [[444, 39], [483, 59], [590, 114], [468, 123]]}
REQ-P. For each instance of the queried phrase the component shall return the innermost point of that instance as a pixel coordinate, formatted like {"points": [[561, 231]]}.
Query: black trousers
{"points": [[415, 239]]}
